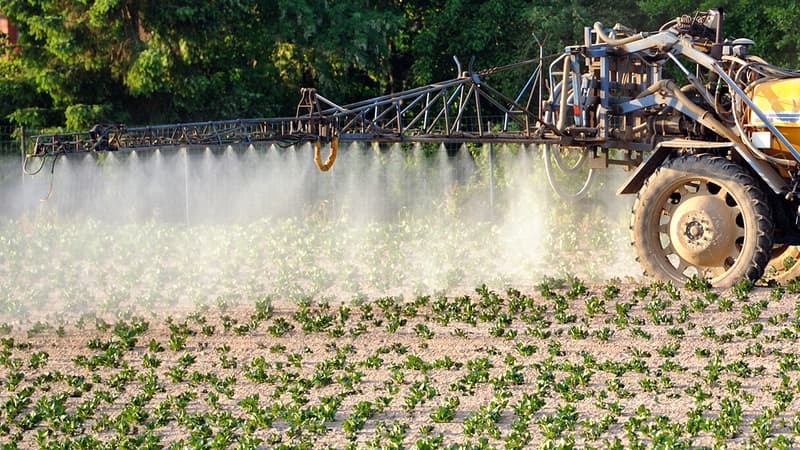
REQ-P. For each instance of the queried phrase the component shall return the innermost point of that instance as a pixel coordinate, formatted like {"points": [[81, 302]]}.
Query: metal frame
{"points": [[605, 94], [461, 110]]}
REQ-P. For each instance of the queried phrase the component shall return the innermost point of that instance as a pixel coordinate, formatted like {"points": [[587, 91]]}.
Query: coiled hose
{"points": [[326, 166]]}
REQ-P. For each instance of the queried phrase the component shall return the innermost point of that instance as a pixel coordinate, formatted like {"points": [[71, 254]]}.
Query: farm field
{"points": [[309, 334], [564, 365], [264, 306], [458, 274]]}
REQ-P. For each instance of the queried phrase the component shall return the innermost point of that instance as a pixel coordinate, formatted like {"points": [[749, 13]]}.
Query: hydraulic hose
{"points": [[52, 179], [601, 33], [37, 170], [652, 89], [562, 107], [706, 118], [703, 115]]}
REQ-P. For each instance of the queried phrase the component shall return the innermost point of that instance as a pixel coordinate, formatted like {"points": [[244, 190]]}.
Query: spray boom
{"points": [[605, 102]]}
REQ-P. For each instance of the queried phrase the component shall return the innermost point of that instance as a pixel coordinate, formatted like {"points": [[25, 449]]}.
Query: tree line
{"points": [[77, 63]]}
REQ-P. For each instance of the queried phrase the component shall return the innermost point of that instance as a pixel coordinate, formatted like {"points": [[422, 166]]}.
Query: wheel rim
{"points": [[565, 160], [784, 263], [701, 231], [569, 168]]}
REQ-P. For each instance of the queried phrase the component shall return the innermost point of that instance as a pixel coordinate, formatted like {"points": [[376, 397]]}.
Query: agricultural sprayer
{"points": [[712, 151]]}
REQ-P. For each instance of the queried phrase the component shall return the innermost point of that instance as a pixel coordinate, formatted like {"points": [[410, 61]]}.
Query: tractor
{"points": [[707, 130]]}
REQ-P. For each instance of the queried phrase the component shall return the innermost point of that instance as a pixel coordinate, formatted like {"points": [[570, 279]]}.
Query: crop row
{"points": [[61, 266], [567, 365]]}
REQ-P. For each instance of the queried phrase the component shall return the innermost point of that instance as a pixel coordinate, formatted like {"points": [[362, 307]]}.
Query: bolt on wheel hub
{"points": [[694, 230]]}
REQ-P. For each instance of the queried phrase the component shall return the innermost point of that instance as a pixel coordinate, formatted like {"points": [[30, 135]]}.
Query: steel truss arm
{"points": [[464, 109]]}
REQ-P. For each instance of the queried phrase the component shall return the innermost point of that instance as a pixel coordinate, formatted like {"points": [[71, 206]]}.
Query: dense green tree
{"points": [[148, 61], [151, 61], [342, 48], [772, 24], [494, 32], [562, 23], [118, 60]]}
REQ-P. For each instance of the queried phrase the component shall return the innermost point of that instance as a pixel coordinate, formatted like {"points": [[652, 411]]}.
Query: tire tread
{"points": [[717, 164]]}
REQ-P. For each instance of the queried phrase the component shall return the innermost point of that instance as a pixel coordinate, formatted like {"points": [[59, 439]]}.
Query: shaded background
{"points": [[74, 64]]}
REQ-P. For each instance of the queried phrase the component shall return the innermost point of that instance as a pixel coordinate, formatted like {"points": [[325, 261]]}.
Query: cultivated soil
{"points": [[556, 365]]}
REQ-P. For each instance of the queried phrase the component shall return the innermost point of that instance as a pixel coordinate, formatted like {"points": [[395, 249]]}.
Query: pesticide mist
{"points": [[170, 229]]}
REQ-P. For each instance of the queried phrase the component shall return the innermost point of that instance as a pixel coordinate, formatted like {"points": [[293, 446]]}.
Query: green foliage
{"points": [[503, 391], [154, 61], [81, 117], [78, 63], [772, 24]]}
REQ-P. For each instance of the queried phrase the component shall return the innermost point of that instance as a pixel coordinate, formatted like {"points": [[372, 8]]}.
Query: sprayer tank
{"points": [[779, 100]]}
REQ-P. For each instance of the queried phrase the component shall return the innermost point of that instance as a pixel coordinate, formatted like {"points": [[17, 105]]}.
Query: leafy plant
{"points": [[446, 411]]}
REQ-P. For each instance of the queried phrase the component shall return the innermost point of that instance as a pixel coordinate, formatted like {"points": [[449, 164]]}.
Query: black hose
{"points": [[52, 178], [39, 169]]}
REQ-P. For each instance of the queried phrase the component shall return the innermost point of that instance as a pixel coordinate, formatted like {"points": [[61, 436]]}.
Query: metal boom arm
{"points": [[607, 101], [464, 109]]}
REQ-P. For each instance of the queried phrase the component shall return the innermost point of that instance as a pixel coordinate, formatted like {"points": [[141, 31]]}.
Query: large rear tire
{"points": [[702, 215]]}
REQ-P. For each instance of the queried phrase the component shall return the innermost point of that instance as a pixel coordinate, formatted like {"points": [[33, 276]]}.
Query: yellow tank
{"points": [[779, 100]]}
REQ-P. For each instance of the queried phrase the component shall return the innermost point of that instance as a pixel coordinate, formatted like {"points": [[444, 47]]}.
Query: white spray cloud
{"points": [[168, 227]]}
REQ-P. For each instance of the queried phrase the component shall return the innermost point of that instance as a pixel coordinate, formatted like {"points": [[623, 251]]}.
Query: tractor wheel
{"points": [[702, 215], [784, 264]]}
